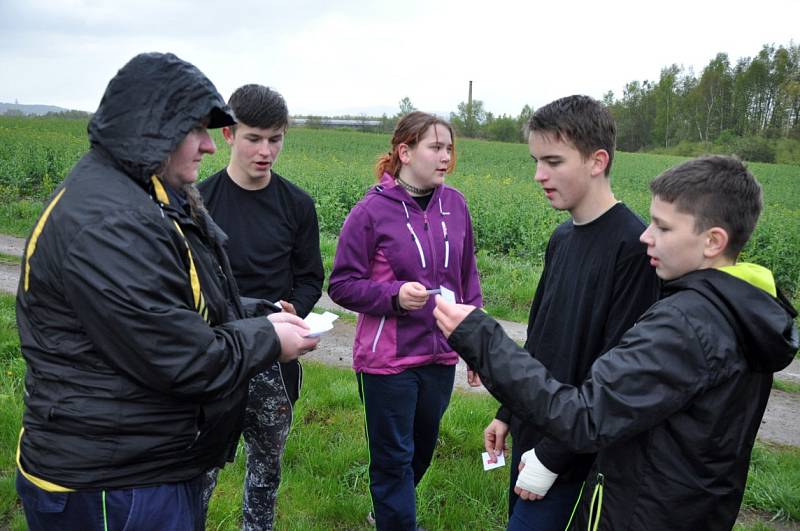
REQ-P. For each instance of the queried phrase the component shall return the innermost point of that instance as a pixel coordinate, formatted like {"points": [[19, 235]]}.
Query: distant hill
{"points": [[30, 109]]}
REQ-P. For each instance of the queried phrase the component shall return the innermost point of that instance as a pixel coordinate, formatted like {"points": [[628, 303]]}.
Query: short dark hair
{"points": [[719, 191], [580, 120], [259, 106]]}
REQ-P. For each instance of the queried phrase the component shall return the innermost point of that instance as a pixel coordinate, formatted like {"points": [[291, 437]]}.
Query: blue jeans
{"points": [[403, 412], [551, 513], [167, 507]]}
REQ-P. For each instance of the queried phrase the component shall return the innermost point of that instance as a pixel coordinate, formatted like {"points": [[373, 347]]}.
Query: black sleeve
{"points": [[129, 287], [537, 296], [257, 307], [503, 413], [635, 289], [657, 369], [307, 270]]}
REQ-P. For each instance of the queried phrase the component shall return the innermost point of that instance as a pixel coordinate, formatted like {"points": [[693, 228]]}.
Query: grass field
{"points": [[325, 485]]}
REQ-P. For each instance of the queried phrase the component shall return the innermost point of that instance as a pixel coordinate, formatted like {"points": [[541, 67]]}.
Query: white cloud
{"points": [[351, 55]]}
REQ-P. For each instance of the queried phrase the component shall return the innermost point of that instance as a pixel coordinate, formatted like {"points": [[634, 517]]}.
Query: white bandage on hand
{"points": [[535, 477]]}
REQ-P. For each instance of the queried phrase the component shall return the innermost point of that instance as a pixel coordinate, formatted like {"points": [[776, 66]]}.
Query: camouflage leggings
{"points": [[266, 427]]}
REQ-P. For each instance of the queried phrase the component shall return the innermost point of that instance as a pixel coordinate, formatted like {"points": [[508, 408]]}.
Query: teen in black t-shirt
{"points": [[596, 282], [274, 253]]}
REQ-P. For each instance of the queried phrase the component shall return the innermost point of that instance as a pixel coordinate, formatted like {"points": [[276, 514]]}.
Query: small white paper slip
{"points": [[501, 461], [319, 323], [447, 295]]}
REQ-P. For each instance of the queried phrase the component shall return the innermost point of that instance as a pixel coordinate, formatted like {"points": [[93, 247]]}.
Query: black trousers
{"points": [[402, 412]]}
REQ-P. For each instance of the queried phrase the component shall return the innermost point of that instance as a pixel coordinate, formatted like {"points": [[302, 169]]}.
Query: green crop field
{"points": [[512, 219]]}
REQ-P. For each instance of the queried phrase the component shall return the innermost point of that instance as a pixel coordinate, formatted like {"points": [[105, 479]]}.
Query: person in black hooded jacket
{"points": [[673, 409], [138, 347]]}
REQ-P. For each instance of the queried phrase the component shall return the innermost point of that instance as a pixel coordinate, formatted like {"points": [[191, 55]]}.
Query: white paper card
{"points": [[501, 461], [447, 295], [319, 323]]}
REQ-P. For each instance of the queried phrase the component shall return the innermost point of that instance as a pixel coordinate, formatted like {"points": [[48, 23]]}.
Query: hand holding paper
{"points": [[448, 316], [488, 464]]}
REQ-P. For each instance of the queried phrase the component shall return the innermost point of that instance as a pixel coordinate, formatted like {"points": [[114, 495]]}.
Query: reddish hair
{"points": [[409, 130]]}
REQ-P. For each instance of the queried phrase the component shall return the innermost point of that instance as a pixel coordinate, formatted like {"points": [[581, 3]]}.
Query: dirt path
{"points": [[778, 426]]}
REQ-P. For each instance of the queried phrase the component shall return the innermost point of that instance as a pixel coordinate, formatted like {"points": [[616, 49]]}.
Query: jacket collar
{"points": [[388, 188]]}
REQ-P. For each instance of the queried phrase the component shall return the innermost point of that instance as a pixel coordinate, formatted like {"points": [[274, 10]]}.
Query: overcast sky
{"points": [[354, 56]]}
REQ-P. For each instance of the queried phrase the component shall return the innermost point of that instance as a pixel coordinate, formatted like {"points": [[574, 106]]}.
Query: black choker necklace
{"points": [[411, 188]]}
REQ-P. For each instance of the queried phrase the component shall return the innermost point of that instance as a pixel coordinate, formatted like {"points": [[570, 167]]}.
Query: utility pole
{"points": [[470, 115]]}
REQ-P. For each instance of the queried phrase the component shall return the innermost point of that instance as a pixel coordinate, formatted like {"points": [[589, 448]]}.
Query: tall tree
{"points": [[406, 107], [666, 106], [742, 94], [525, 116], [781, 76], [635, 116], [469, 119], [791, 92], [713, 97]]}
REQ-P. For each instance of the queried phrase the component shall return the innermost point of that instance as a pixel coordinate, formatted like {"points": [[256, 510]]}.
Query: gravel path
{"points": [[778, 426]]}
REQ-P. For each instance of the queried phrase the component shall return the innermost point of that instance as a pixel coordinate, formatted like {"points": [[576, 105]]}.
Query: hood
{"points": [[764, 324], [387, 187], [149, 107]]}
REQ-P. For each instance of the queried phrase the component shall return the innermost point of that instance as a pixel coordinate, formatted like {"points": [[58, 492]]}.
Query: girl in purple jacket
{"points": [[410, 236]]}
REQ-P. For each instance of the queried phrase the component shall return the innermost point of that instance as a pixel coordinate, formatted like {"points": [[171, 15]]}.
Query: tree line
{"points": [[750, 107], [65, 115], [747, 104]]}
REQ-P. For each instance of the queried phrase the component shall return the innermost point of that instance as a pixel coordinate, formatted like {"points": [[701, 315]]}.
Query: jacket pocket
{"points": [[200, 420], [40, 500], [378, 334]]}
